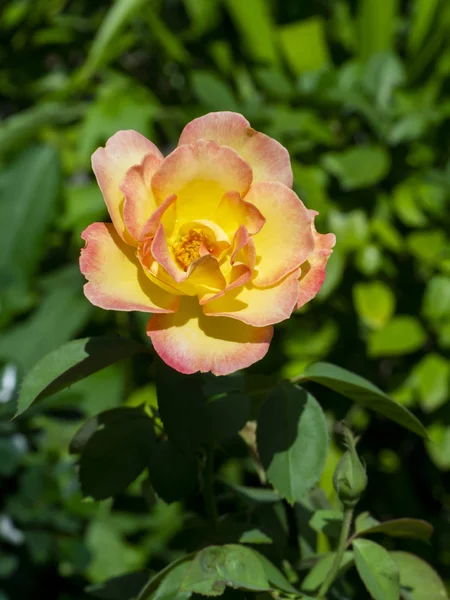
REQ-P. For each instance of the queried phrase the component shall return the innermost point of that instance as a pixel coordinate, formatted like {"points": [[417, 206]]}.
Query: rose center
{"points": [[190, 247]]}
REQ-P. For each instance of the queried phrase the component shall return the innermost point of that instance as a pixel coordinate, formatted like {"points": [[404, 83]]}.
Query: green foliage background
{"points": [[358, 91]]}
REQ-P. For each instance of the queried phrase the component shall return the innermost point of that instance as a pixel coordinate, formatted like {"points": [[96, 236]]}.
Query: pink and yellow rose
{"points": [[210, 239]]}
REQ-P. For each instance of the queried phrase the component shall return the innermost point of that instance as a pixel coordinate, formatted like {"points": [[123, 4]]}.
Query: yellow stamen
{"points": [[187, 249]]}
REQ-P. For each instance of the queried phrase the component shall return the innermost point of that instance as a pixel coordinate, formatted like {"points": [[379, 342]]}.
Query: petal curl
{"points": [[115, 277], [162, 254], [110, 164], [139, 203], [233, 212], [268, 159], [165, 213], [286, 240], [313, 271], [200, 174], [189, 341], [258, 306]]}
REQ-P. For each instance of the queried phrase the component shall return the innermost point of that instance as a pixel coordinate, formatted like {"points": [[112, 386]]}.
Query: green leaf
{"points": [[365, 521], [106, 553], [202, 575], [253, 20], [90, 426], [120, 103], [181, 403], [274, 82], [310, 34], [255, 495], [358, 167], [18, 129], [169, 588], [402, 335], [225, 416], [406, 203], [124, 587], [274, 575], [212, 92], [405, 528], [62, 312], [25, 217], [436, 300], [381, 75], [424, 12], [173, 474], [431, 379], [438, 445], [377, 569], [321, 569], [377, 26], [12, 449], [351, 228], [254, 536], [153, 583], [417, 578], [292, 440], [428, 247], [216, 567], [104, 43], [374, 303], [116, 453], [203, 14], [362, 392], [70, 363], [327, 521], [170, 42]]}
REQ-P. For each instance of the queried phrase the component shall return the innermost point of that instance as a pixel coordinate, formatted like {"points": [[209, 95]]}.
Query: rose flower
{"points": [[211, 240]]}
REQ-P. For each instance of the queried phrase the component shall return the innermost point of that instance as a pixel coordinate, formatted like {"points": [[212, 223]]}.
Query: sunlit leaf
{"points": [[23, 220], [310, 34], [431, 380], [212, 91], [216, 567], [418, 579], [274, 575], [292, 440], [436, 300], [374, 303], [61, 314], [376, 26], [169, 588], [377, 569], [70, 363], [321, 569], [423, 14], [404, 528], [254, 23], [154, 582], [362, 392], [402, 335], [358, 167], [104, 42], [327, 521]]}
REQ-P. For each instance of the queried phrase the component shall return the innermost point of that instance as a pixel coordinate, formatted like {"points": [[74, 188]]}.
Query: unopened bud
{"points": [[349, 479]]}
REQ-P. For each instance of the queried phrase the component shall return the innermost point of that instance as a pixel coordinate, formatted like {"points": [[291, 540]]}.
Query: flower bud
{"points": [[349, 479]]}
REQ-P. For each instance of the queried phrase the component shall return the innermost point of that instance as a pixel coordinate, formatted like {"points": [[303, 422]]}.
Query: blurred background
{"points": [[359, 92]]}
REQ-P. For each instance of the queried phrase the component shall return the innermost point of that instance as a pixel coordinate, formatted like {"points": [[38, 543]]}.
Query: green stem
{"points": [[345, 530], [208, 488]]}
